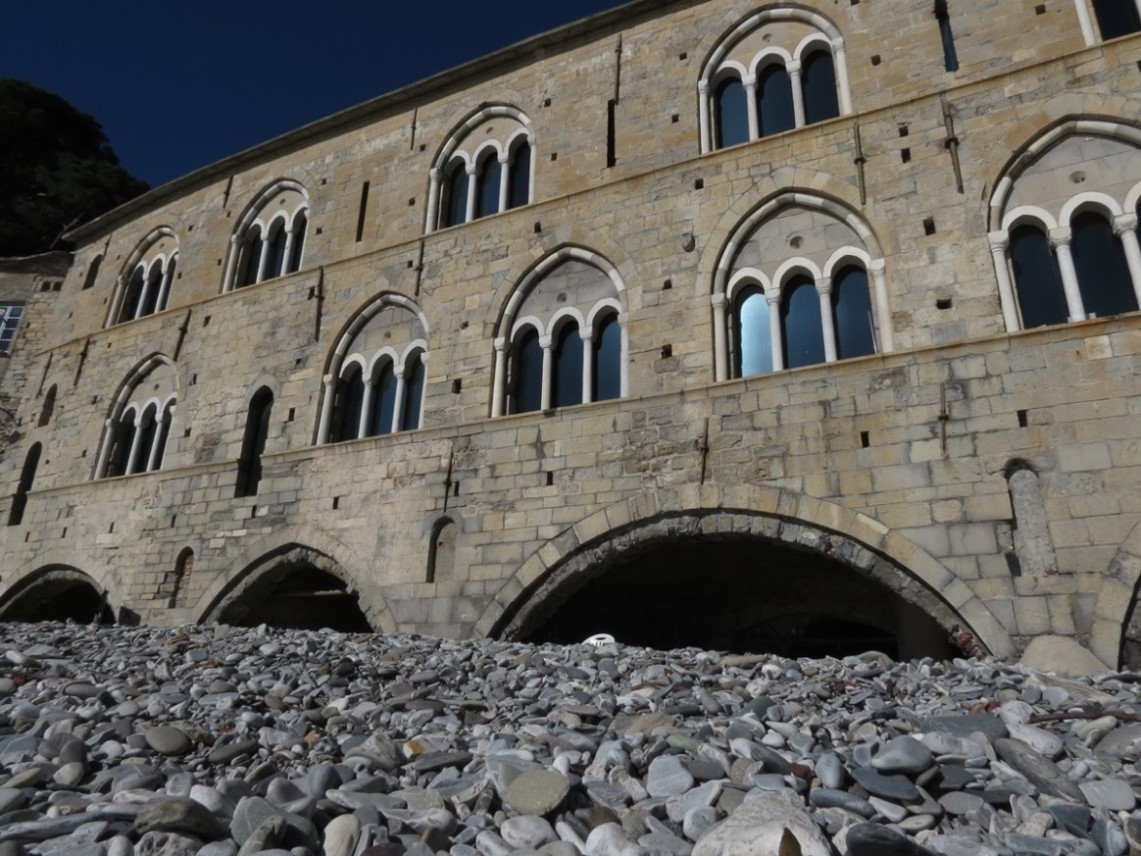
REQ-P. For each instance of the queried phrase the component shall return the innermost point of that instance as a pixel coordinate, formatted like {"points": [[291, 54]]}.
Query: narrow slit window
{"points": [[950, 57]]}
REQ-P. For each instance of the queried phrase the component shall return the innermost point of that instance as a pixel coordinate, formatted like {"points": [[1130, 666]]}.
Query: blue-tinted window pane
{"points": [[528, 390], [568, 368], [950, 57], [1041, 299], [819, 78], [9, 320], [300, 224], [455, 195], [383, 402], [852, 313], [607, 360], [150, 293], [753, 333], [519, 184], [133, 296], [800, 317], [1116, 17], [275, 260], [413, 393], [774, 101], [350, 395], [250, 258], [487, 187], [1103, 274], [730, 114]]}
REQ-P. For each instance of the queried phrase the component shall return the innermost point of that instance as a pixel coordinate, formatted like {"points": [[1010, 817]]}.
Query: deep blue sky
{"points": [[178, 85]]}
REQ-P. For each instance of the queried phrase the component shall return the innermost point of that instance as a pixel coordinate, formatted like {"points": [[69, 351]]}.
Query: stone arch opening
{"points": [[735, 581], [57, 594], [295, 588]]}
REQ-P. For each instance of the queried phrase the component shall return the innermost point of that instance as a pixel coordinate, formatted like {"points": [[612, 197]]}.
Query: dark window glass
{"points": [[384, 401], [487, 187], [818, 77], [121, 443], [527, 393], [350, 401], [253, 444], [133, 297], [27, 478], [852, 313], [300, 223], [607, 381], [250, 258], [275, 256], [950, 57], [753, 333], [1103, 273], [800, 317], [454, 209], [519, 181], [150, 292], [730, 114], [774, 101], [1116, 17], [9, 321], [148, 428], [567, 378], [413, 394], [1041, 299]]}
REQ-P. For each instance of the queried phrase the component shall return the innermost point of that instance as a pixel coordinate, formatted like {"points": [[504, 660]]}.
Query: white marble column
{"points": [[750, 84], [827, 318], [547, 344], [1125, 227], [883, 308], [499, 392], [433, 200], [720, 350], [776, 334], [1060, 240], [999, 242], [326, 409], [793, 69], [703, 116]]}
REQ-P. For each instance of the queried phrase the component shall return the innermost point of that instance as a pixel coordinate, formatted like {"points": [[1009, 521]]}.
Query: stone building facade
{"points": [[733, 320]]}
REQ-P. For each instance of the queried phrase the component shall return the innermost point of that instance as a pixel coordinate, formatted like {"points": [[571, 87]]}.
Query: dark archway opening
{"points": [[736, 593], [58, 597], [296, 596]]}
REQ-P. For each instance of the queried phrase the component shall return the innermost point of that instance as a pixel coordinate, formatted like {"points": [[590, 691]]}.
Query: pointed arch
{"points": [[268, 241], [145, 281], [121, 449]]}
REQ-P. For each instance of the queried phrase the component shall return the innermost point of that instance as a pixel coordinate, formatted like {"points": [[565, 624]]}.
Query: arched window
{"points": [[384, 400], [270, 236], [829, 301], [752, 332], [519, 180], [527, 391], [144, 285], [390, 338], [49, 407], [852, 313], [567, 380], [132, 299], [253, 443], [413, 393], [774, 101], [730, 113], [454, 209], [350, 402], [27, 479], [798, 75], [487, 181], [136, 432], [1116, 17], [562, 341], [801, 322], [607, 359], [818, 77], [1103, 274], [483, 168]]}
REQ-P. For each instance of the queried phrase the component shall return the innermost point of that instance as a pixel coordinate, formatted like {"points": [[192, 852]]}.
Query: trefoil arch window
{"points": [[561, 338], [143, 288], [484, 167], [1068, 257], [135, 434], [773, 310], [779, 69], [377, 374], [270, 237]]}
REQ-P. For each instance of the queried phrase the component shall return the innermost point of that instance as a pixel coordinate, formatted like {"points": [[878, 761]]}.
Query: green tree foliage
{"points": [[56, 170]]}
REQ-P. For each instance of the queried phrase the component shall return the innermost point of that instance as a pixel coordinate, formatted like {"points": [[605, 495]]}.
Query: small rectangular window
{"points": [[950, 58], [10, 316]]}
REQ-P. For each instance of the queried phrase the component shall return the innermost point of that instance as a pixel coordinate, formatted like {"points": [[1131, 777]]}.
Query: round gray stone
{"points": [[167, 740], [537, 792]]}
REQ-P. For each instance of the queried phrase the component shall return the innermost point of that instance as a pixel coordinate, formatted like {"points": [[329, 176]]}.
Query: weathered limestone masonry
{"points": [[900, 465]]}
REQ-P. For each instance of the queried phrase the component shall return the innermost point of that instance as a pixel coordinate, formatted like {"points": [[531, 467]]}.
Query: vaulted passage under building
{"points": [[736, 593], [58, 596], [296, 597]]}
